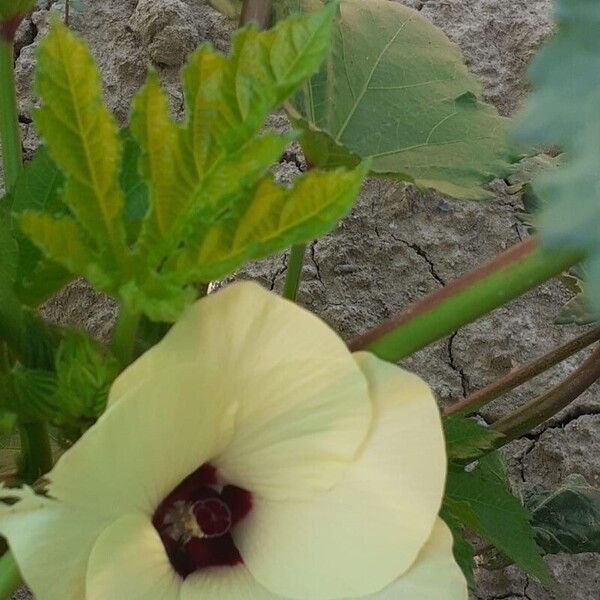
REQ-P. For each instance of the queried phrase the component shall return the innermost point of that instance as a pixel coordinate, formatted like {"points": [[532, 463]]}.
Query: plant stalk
{"points": [[540, 409], [517, 377], [124, 336], [10, 577], [10, 134], [257, 11], [36, 450], [473, 295], [67, 12], [294, 271]]}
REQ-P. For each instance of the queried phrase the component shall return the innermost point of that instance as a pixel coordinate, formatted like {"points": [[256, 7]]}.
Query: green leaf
{"points": [[485, 506], [82, 139], [271, 219], [466, 439], [37, 188], [492, 466], [567, 115], [134, 186], [461, 547], [566, 519], [15, 8], [168, 205], [396, 90], [34, 394]]}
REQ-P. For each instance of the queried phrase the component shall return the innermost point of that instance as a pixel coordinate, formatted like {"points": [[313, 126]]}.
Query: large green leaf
{"points": [[483, 504], [566, 519], [167, 205], [395, 89], [563, 110]]}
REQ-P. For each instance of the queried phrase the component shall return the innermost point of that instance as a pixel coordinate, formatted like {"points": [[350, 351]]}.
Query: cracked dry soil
{"points": [[397, 245]]}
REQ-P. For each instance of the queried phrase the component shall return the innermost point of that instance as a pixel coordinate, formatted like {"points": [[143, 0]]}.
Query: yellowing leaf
{"points": [[82, 137]]}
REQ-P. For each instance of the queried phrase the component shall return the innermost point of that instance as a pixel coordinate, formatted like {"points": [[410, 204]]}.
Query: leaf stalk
{"points": [[294, 271], [124, 336], [35, 449], [10, 133], [517, 377], [10, 577], [473, 295], [258, 11], [540, 409]]}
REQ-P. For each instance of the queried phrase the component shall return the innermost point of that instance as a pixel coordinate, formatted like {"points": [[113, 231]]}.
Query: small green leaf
{"points": [[567, 115], [134, 186], [466, 439], [33, 397], [492, 466], [84, 374], [461, 548], [485, 506], [396, 90], [566, 519]]}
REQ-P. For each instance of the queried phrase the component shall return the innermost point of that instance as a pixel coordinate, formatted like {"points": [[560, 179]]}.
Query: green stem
{"points": [[10, 577], [540, 409], [258, 11], [10, 134], [294, 271], [35, 449], [517, 377], [124, 336], [473, 295]]}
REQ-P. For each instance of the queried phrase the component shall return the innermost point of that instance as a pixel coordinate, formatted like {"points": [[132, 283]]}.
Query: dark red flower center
{"points": [[195, 521]]}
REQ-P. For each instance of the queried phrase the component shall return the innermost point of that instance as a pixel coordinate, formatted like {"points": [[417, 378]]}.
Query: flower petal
{"points": [[303, 401], [363, 534], [145, 445], [44, 534], [224, 583], [435, 574], [129, 561]]}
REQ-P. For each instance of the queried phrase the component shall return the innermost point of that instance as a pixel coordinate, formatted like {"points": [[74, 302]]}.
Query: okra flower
{"points": [[249, 455]]}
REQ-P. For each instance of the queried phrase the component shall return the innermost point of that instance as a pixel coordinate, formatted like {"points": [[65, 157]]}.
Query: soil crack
{"points": [[464, 380], [420, 252]]}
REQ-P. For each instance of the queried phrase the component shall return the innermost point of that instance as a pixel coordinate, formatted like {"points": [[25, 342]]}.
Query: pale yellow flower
{"points": [[248, 456]]}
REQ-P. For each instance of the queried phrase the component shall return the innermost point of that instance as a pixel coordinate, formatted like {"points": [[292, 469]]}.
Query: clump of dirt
{"points": [[397, 245]]}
